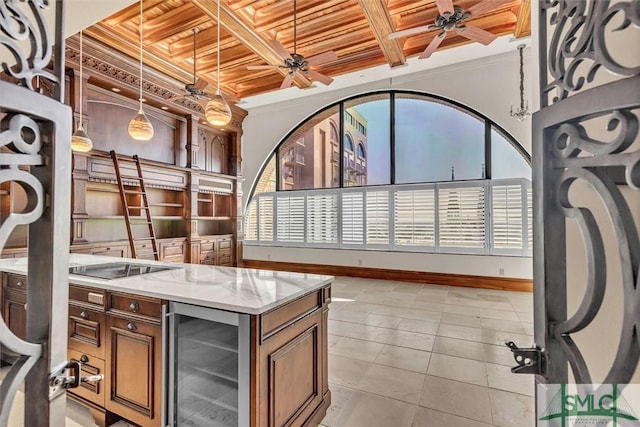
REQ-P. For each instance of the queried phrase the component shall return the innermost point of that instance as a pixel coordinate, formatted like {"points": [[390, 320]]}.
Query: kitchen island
{"points": [[193, 345]]}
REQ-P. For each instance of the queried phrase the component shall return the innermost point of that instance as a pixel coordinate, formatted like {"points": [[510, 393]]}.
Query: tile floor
{"points": [[403, 354]]}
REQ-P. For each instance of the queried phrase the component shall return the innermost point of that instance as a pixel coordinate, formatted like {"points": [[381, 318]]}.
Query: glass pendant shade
{"points": [[80, 141], [217, 111], [140, 127]]}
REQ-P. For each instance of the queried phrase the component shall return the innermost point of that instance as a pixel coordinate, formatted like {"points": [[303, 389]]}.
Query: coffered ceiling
{"points": [[356, 30]]}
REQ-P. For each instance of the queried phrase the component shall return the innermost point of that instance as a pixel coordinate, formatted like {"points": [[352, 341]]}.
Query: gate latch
{"points": [[530, 360], [66, 376]]}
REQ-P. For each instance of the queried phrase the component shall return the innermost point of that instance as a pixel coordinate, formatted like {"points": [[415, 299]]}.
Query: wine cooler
{"points": [[208, 367]]}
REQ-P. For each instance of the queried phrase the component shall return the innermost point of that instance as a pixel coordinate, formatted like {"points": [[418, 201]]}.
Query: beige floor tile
{"points": [[427, 305], [525, 316], [461, 309], [496, 305], [392, 382], [498, 314], [381, 321], [413, 340], [492, 296], [501, 377], [346, 372], [460, 320], [457, 398], [421, 326], [441, 290], [512, 410], [340, 397], [358, 331], [467, 302], [499, 354], [356, 349], [460, 348], [502, 325], [460, 332], [429, 418], [491, 336], [368, 410], [347, 316], [458, 368], [404, 358], [438, 298], [528, 328]]}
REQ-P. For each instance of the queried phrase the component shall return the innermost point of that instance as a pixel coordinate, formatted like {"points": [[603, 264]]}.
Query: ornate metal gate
{"points": [[35, 133], [584, 83]]}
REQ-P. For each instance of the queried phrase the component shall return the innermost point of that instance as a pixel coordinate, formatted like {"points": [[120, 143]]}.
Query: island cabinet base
{"points": [[290, 372], [282, 356]]}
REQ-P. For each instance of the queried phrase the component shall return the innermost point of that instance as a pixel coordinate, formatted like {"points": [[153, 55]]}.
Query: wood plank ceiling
{"points": [[356, 30]]}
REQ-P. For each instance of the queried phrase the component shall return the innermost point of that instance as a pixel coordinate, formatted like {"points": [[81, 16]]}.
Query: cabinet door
{"points": [[291, 373], [15, 312], [93, 392], [86, 330], [133, 380]]}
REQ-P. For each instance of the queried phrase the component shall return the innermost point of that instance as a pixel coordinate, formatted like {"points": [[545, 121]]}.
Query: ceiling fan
{"points": [[194, 91], [451, 18], [296, 62]]}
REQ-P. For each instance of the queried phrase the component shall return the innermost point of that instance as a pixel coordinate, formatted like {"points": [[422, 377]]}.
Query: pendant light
{"points": [[521, 113], [140, 127], [80, 141], [217, 111]]}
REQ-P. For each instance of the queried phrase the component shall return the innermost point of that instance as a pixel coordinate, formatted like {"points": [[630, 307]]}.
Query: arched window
{"points": [[348, 143], [417, 203]]}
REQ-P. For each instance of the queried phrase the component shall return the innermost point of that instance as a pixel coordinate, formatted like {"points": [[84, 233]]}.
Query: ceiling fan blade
{"points": [[262, 67], [322, 58], [280, 50], [174, 98], [410, 31], [445, 6], [200, 84], [484, 6], [477, 34], [433, 45], [288, 80], [326, 80]]}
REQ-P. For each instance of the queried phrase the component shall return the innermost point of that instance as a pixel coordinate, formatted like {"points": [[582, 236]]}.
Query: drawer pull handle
{"points": [[131, 326], [84, 314], [25, 305], [84, 358], [19, 283], [134, 306]]}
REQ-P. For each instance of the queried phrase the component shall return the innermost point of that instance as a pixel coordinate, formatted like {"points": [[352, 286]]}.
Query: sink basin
{"points": [[117, 270]]}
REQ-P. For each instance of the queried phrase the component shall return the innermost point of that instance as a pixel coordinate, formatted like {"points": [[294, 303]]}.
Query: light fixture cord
{"points": [[295, 38], [218, 52], [81, 82], [521, 48], [140, 98]]}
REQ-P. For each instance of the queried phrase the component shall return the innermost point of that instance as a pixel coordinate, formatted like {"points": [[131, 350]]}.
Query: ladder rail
{"points": [[144, 207]]}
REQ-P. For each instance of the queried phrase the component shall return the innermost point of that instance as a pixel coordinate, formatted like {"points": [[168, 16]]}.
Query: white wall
{"points": [[489, 85]]}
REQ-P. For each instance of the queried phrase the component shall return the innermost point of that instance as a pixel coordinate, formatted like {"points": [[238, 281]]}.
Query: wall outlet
{"points": [[501, 271]]}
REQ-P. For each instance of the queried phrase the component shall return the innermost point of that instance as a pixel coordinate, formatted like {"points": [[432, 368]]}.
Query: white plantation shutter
{"points": [[290, 214], [322, 218], [251, 221], [353, 218], [265, 219], [507, 216], [377, 217], [414, 214], [461, 216]]}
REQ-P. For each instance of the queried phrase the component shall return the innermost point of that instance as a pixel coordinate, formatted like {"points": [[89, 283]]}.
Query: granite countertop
{"points": [[240, 290]]}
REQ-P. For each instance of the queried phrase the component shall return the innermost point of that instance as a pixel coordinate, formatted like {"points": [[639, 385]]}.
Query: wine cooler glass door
{"points": [[210, 363]]}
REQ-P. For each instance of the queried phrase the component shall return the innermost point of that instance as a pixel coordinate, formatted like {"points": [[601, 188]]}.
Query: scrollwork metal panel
{"points": [[575, 50], [35, 155]]}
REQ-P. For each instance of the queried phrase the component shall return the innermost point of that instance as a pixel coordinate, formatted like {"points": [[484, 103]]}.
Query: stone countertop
{"points": [[239, 290]]}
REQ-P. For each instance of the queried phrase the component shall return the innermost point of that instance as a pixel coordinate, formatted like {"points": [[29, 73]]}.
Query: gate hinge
{"points": [[530, 360]]}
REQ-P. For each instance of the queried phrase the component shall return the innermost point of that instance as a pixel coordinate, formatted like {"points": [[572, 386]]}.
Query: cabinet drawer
{"points": [[136, 305], [90, 365], [224, 243], [117, 251], [86, 331], [206, 246], [172, 251], [278, 319], [86, 295], [207, 261], [144, 250], [224, 259], [16, 282]]}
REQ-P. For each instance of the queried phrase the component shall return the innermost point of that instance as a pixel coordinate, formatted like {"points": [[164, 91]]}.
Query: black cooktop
{"points": [[116, 270]]}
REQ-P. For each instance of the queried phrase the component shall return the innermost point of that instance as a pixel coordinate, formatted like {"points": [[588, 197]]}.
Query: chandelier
{"points": [[521, 113]]}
